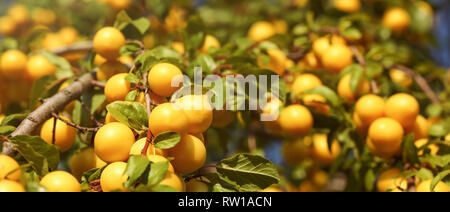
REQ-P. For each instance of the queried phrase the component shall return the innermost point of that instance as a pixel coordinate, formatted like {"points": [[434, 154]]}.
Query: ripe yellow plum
{"points": [[189, 155], [113, 177], [9, 169], [60, 181], [64, 136], [261, 31], [108, 41], [117, 88], [160, 79], [13, 64], [113, 142], [391, 180], [85, 160], [198, 110], [167, 117], [296, 120], [11, 186]]}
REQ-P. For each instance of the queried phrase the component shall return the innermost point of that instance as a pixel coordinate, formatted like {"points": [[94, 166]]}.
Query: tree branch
{"points": [[423, 84], [51, 105], [79, 128], [77, 47]]}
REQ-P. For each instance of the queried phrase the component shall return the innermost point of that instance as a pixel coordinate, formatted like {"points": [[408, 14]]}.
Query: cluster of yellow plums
{"points": [[19, 71], [114, 143], [396, 18], [20, 19], [383, 123]]}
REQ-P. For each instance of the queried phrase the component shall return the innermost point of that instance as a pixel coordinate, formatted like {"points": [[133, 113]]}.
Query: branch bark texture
{"points": [[44, 112]]}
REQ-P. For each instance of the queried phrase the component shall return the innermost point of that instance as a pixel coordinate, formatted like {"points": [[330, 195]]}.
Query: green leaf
{"points": [[163, 188], [41, 155], [142, 188], [207, 63], [219, 188], [9, 43], [130, 48], [136, 27], [14, 119], [369, 179], [91, 175], [194, 42], [421, 18], [133, 114], [167, 140], [122, 19], [136, 166], [35, 187], [132, 78], [142, 25], [63, 67], [162, 52], [249, 172], [327, 93], [352, 33], [373, 69], [146, 60], [409, 150], [41, 89], [438, 130], [131, 96], [434, 110], [6, 130], [438, 178], [159, 7], [266, 45], [356, 78], [436, 160], [97, 100], [424, 174], [157, 172]]}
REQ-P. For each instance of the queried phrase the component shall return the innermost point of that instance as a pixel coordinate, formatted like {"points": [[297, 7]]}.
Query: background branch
{"points": [[77, 47], [422, 82]]}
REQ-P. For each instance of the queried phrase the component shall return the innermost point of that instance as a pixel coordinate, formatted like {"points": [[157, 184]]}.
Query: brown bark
{"points": [[44, 112], [77, 47], [55, 103]]}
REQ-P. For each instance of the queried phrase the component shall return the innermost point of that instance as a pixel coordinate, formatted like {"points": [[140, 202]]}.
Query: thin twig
{"points": [[79, 128], [77, 47], [98, 84], [91, 115], [4, 138], [251, 142], [57, 82], [359, 57], [296, 54], [423, 84], [329, 30], [95, 186], [362, 61], [149, 111], [54, 131]]}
